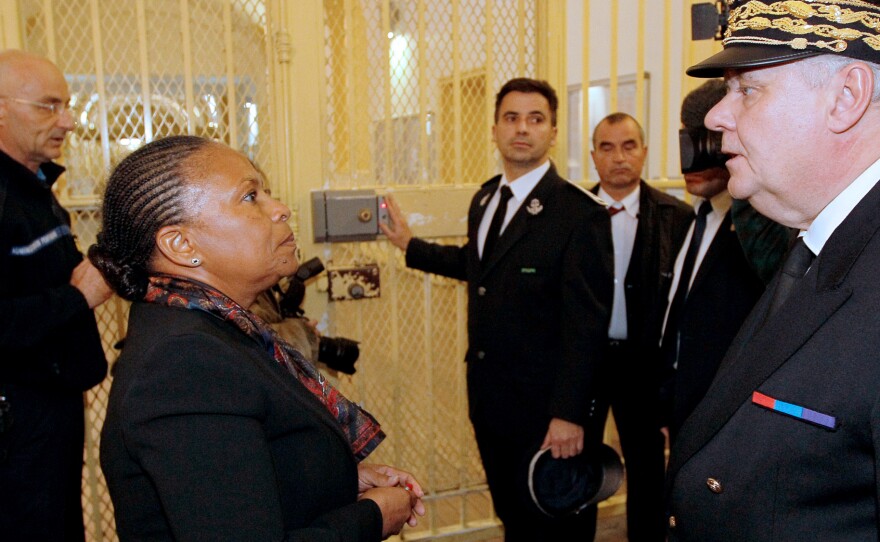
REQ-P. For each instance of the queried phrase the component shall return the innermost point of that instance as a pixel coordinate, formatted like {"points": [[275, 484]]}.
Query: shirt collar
{"points": [[50, 171], [524, 184], [42, 177], [840, 207], [630, 202], [721, 203]]}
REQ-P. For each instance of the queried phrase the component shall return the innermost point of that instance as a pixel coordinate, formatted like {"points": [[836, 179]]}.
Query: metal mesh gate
{"points": [[410, 92], [410, 86]]}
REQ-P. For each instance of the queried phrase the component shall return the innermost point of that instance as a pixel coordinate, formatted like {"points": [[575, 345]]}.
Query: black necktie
{"points": [[799, 259], [497, 219], [684, 280]]}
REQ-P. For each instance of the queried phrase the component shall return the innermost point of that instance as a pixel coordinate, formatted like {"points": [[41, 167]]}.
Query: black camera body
{"points": [[292, 298], [700, 149], [709, 20], [338, 353]]}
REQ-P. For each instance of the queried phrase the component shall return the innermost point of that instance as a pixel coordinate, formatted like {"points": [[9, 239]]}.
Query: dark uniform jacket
{"points": [[208, 438], [723, 292], [538, 309], [48, 334], [50, 352], [799, 460], [663, 225]]}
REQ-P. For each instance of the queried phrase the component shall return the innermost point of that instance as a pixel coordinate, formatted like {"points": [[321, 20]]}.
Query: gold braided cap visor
{"points": [[767, 33]]}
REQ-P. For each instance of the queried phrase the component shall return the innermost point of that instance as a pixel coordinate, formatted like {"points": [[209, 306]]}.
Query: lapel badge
{"points": [[484, 200], [534, 207]]}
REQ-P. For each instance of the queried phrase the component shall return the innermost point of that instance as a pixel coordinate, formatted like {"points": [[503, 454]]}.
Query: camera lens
{"points": [[338, 353], [700, 149]]}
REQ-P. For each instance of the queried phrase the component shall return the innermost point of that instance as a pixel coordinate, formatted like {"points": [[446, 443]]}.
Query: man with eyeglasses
{"points": [[50, 349]]}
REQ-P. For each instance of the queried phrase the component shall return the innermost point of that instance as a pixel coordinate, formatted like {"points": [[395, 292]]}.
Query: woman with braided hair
{"points": [[216, 428]]}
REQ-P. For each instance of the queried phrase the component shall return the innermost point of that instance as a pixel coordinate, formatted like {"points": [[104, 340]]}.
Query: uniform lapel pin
{"points": [[534, 207]]}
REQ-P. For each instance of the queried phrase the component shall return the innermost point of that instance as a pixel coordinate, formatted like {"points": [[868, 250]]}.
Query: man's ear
{"points": [[175, 245], [851, 96]]}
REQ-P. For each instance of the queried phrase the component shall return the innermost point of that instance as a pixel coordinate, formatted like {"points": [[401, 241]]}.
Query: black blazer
{"points": [[782, 477], [208, 438], [538, 309], [662, 226], [724, 290]]}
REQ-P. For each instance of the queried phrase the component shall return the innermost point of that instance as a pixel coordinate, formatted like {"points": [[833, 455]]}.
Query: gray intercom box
{"points": [[347, 215]]}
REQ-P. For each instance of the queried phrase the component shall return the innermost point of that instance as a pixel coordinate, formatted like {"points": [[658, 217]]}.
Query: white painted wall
{"points": [[656, 32]]}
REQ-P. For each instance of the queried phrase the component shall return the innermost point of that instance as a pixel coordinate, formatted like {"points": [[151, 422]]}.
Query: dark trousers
{"points": [[41, 459], [505, 460], [631, 385]]}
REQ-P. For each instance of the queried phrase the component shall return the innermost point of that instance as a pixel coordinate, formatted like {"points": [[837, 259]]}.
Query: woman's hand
{"points": [[398, 494], [370, 476]]}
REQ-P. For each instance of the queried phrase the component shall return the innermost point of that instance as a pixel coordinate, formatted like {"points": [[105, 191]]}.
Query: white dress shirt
{"points": [[623, 236]]}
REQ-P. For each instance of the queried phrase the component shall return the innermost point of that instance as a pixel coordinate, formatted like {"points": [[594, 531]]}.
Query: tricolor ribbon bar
{"points": [[795, 411]]}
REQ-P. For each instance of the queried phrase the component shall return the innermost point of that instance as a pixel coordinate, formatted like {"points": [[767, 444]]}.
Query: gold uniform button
{"points": [[714, 485], [481, 291], [672, 522]]}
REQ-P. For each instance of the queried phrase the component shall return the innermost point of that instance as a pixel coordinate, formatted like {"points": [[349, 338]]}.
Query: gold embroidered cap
{"points": [[767, 33]]}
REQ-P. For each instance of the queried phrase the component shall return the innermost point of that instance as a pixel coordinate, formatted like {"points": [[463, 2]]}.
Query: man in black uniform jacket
{"points": [[539, 290], [50, 350], [785, 443]]}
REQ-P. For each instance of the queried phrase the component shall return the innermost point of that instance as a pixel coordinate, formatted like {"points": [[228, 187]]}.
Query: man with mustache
{"points": [[50, 350], [648, 227]]}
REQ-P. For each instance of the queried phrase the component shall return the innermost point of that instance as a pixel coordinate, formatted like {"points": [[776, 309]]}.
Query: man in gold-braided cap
{"points": [[786, 443]]}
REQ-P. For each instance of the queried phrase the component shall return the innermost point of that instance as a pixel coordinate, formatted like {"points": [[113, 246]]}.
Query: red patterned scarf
{"points": [[361, 428]]}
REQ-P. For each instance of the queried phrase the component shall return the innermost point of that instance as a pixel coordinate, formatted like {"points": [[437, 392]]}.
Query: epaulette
{"points": [[594, 197], [494, 179]]}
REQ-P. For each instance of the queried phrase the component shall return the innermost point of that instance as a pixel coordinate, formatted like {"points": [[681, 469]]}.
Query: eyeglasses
{"points": [[55, 108]]}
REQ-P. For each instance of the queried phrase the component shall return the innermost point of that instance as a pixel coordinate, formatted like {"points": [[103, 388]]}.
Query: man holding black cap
{"points": [[537, 264], [784, 445]]}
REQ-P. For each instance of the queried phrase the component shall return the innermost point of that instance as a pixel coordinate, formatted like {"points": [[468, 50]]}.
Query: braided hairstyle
{"points": [[145, 192]]}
